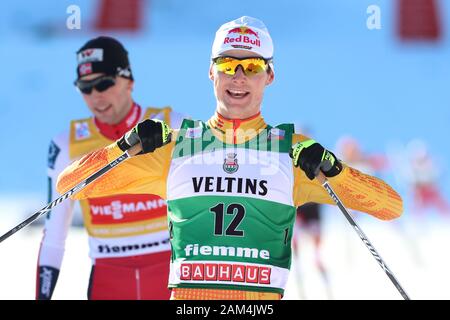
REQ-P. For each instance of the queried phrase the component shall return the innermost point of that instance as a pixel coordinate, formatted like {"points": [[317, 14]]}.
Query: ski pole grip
{"points": [[321, 177], [134, 150]]}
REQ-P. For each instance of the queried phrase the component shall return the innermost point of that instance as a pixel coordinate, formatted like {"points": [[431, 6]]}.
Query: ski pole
{"points": [[127, 154], [323, 180]]}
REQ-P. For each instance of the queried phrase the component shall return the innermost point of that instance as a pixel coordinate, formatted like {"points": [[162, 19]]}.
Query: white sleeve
{"points": [[58, 220]]}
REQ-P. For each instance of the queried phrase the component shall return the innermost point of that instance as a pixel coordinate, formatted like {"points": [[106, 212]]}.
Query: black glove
{"points": [[311, 157], [151, 134]]}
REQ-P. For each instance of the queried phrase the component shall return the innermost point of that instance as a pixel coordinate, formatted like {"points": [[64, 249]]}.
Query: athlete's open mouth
{"points": [[237, 93], [105, 109]]}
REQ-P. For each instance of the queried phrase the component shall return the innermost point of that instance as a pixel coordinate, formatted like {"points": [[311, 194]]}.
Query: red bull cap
{"points": [[245, 33]]}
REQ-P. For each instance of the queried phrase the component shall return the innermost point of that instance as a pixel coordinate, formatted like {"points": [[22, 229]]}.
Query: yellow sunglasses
{"points": [[250, 66]]}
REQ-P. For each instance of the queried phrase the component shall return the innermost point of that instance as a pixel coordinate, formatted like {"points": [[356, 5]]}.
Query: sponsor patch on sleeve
{"points": [[194, 133], [276, 134], [82, 130]]}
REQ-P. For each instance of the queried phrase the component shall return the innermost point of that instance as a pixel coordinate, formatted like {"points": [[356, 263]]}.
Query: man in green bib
{"points": [[233, 183]]}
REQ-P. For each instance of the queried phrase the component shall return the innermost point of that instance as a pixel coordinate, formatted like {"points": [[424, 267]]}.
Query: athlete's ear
{"points": [[130, 85], [271, 77], [211, 72]]}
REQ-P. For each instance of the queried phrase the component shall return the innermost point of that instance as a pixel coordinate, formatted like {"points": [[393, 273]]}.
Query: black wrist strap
{"points": [[122, 144], [335, 169]]}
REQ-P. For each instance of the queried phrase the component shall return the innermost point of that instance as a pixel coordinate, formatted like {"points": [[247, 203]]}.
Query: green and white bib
{"points": [[230, 210]]}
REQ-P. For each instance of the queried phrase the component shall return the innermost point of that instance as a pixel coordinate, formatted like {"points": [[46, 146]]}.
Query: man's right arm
{"points": [[57, 224], [141, 174]]}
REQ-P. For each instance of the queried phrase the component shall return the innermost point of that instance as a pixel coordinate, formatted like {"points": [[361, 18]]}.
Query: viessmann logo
{"points": [[126, 208]]}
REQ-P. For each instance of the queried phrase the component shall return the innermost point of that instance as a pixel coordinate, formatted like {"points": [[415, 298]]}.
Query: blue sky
{"points": [[332, 74]]}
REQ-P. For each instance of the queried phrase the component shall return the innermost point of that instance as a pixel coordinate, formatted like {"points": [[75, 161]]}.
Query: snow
{"points": [[415, 251]]}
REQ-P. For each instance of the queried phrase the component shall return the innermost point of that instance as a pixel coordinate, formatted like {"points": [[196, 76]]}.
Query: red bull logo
{"points": [[245, 36], [244, 30]]}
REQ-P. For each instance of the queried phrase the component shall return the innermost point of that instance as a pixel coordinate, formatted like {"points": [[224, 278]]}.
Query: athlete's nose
{"points": [[239, 74]]}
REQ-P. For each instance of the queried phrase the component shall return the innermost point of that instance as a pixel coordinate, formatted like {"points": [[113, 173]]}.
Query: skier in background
{"points": [[128, 236], [308, 225], [423, 178]]}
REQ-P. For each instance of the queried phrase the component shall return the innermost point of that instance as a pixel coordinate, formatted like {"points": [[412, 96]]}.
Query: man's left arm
{"points": [[358, 191]]}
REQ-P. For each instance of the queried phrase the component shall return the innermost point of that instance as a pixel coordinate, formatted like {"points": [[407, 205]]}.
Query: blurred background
{"points": [[368, 79]]}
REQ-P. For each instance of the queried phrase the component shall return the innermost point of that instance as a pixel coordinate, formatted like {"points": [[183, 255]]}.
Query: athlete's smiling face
{"points": [[239, 96], [112, 105]]}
